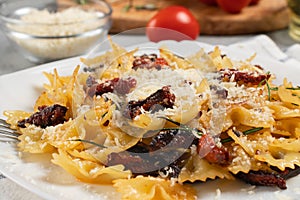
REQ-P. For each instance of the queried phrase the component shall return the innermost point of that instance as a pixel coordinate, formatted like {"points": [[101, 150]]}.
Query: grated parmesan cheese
{"points": [[67, 23]]}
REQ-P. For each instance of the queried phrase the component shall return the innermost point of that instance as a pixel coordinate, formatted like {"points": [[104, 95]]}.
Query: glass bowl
{"points": [[47, 30]]}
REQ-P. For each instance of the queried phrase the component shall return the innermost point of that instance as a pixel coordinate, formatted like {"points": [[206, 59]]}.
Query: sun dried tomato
{"points": [[244, 78], [149, 62], [159, 100], [211, 152], [46, 116], [120, 86]]}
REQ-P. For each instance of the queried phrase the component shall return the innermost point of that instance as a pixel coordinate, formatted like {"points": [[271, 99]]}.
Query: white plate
{"points": [[36, 173]]}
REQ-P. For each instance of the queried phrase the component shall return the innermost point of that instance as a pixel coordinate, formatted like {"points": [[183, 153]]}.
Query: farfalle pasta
{"points": [[149, 124]]}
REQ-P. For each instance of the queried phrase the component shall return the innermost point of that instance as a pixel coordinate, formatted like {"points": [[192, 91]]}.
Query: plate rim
{"points": [[71, 64]]}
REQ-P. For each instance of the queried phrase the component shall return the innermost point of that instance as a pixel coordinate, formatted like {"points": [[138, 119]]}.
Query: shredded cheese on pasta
{"points": [[204, 103]]}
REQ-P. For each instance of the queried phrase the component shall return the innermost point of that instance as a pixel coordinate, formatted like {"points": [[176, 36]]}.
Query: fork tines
{"points": [[6, 131], [3, 123]]}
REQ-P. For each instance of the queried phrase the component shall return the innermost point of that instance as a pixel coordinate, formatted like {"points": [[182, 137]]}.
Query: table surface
{"points": [[11, 60]]}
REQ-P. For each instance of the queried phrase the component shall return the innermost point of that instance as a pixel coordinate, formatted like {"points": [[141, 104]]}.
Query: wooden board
{"points": [[268, 15]]}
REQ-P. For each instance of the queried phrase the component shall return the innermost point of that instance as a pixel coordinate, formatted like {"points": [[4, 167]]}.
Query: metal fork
{"points": [[6, 132]]}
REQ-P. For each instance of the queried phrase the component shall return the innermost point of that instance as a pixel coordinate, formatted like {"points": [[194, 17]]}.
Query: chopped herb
{"points": [[293, 88], [183, 126], [104, 115], [294, 104], [288, 88], [261, 82], [172, 121], [295, 95], [82, 2], [172, 128], [237, 133], [253, 130], [88, 141], [274, 88], [226, 140], [148, 6], [128, 6], [268, 87], [247, 132], [176, 123], [269, 91]]}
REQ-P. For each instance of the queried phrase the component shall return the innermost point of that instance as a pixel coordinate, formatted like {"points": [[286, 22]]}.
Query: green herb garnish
{"points": [[269, 91], [293, 88], [274, 88], [102, 116], [288, 88], [252, 130], [82, 2], [268, 87], [128, 6], [88, 141], [148, 6], [247, 132], [183, 126]]}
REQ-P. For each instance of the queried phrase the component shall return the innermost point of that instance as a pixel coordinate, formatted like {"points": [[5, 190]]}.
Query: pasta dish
{"points": [[153, 124]]}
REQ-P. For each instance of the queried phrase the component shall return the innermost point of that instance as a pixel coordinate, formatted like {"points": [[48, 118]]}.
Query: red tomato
{"points": [[233, 6], [209, 2], [254, 2], [173, 23]]}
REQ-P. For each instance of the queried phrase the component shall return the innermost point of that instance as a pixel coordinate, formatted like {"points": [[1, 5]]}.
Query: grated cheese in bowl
{"points": [[46, 32]]}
